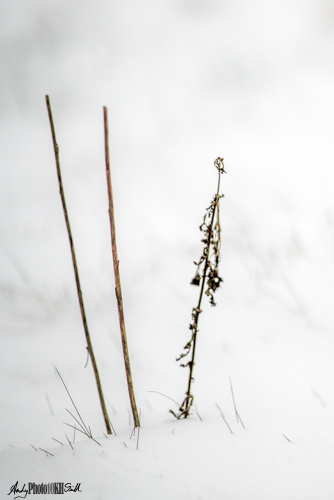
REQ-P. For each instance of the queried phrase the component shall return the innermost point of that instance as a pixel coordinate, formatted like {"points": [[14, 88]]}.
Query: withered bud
{"points": [[196, 281]]}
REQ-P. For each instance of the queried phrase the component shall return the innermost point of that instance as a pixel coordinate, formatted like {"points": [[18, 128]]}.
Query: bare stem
{"points": [[76, 272], [118, 290]]}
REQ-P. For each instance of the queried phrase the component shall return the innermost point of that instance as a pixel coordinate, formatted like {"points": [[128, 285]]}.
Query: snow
{"points": [[184, 82]]}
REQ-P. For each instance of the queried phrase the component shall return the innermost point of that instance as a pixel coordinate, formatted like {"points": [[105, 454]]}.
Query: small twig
{"points": [[69, 442], [34, 447], [75, 267], [118, 289], [58, 441], [47, 452], [286, 438], [199, 416], [105, 435], [75, 428], [124, 444], [178, 404]]}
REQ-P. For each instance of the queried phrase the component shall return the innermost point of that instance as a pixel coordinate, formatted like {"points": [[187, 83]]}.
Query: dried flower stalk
{"points": [[206, 275]]}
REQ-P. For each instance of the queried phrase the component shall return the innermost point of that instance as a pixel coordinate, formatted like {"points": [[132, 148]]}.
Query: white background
{"points": [[184, 82]]}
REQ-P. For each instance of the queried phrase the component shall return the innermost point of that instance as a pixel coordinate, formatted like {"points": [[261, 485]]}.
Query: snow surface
{"points": [[184, 82]]}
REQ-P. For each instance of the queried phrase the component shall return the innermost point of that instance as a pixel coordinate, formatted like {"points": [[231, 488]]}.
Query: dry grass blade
{"points": [[49, 404], [58, 441], [69, 395], [46, 452], [223, 417], [235, 407], [82, 432], [85, 428], [241, 421], [111, 425], [226, 423], [221, 411], [156, 392], [69, 442]]}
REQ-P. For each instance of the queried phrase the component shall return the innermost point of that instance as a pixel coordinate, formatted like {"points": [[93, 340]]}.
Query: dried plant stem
{"points": [[118, 290], [210, 277], [188, 400], [76, 272]]}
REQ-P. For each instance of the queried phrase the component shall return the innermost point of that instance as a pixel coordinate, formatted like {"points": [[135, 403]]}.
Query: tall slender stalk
{"points": [[118, 289], [209, 263], [76, 272]]}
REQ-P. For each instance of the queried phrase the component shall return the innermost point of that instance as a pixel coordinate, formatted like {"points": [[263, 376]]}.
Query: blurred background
{"points": [[184, 81]]}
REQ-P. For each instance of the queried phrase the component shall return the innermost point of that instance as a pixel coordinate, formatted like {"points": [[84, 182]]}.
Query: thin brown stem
{"points": [[76, 272], [118, 290]]}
